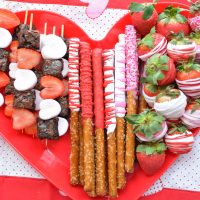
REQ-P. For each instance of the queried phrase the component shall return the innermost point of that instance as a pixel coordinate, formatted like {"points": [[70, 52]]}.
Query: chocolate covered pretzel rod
{"points": [[99, 122], [132, 75], [87, 117], [120, 106], [110, 119], [74, 105]]}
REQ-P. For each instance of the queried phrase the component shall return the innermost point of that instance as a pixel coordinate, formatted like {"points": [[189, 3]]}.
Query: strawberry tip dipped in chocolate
{"points": [[172, 21], [151, 44], [171, 103], [149, 126], [181, 48], [179, 139], [191, 116], [151, 157], [159, 70], [194, 17], [188, 79], [144, 16]]}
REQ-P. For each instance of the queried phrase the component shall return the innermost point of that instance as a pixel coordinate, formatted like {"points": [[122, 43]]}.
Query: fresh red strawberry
{"points": [[188, 71], [8, 19], [151, 90], [28, 58], [53, 87], [149, 42], [13, 54], [4, 79], [144, 16], [22, 118], [148, 126], [168, 95], [9, 99], [151, 157], [66, 87], [159, 70], [171, 21], [194, 18], [31, 130]]}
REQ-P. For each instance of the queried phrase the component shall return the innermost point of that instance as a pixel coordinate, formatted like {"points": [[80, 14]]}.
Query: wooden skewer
{"points": [[26, 16], [31, 22], [54, 30], [45, 28], [62, 30]]}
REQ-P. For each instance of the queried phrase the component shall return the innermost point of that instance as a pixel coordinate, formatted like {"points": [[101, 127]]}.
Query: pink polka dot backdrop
{"points": [[183, 174]]}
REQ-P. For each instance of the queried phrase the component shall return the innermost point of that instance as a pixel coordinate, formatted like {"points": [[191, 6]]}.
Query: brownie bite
{"points": [[25, 99], [53, 68], [4, 60], [39, 75], [48, 129], [10, 89], [63, 101]]}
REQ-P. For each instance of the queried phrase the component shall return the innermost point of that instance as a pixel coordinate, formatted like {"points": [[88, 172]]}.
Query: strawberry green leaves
{"points": [[194, 6], [187, 67], [149, 149], [146, 9], [180, 128]]}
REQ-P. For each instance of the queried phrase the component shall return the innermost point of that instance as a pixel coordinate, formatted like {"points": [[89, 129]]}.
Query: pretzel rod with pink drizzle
{"points": [[87, 117], [120, 106], [110, 119], [74, 105], [101, 189], [132, 76]]}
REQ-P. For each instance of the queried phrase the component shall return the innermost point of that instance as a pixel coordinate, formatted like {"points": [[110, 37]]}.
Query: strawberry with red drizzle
{"points": [[179, 139], [151, 157], [194, 18], [144, 16], [151, 44], [171, 21], [191, 117], [159, 70], [181, 48], [148, 126], [188, 79]]}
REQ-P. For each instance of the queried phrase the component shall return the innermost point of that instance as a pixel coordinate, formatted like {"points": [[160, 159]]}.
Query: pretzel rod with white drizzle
{"points": [[110, 120], [132, 76], [74, 105], [120, 104], [101, 189]]}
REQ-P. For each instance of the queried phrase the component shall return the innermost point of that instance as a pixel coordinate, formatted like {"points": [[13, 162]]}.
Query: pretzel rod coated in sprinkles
{"points": [[110, 119], [74, 105], [87, 117], [97, 60], [120, 106], [132, 79]]}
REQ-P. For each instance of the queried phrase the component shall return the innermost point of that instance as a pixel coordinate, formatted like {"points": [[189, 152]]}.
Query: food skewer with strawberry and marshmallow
{"points": [[132, 81], [120, 106], [110, 119]]}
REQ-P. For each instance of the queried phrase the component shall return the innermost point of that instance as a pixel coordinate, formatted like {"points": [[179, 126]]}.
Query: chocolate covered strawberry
{"points": [[171, 103], [196, 38], [188, 79], [191, 117], [151, 44], [148, 125], [181, 48], [179, 139], [144, 16], [194, 18], [159, 70], [151, 157], [171, 21]]}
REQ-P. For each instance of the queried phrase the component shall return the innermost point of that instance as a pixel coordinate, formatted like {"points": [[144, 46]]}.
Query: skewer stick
{"points": [[26, 16], [62, 30], [45, 28], [31, 22], [54, 30]]}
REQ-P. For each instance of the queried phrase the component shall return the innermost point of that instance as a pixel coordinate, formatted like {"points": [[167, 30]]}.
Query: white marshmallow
{"points": [[1, 100], [53, 47], [5, 38], [38, 99], [42, 40], [12, 69], [65, 67], [25, 79], [62, 126], [49, 108]]}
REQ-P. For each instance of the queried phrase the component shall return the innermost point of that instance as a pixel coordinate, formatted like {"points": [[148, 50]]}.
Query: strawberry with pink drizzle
{"points": [[179, 140], [148, 126]]}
